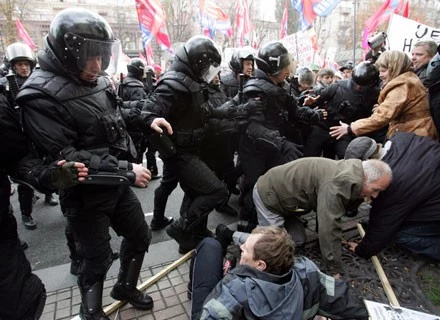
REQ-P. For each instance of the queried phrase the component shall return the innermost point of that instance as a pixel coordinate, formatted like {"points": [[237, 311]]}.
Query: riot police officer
{"points": [[242, 62], [179, 105], [70, 111], [134, 88], [346, 100], [22, 63], [264, 144]]}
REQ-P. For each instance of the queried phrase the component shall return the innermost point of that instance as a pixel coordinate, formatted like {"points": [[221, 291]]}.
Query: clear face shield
{"points": [[209, 73], [83, 48], [281, 62]]}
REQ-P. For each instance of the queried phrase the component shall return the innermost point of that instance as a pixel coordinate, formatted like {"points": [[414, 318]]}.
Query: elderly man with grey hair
{"points": [[408, 212], [329, 187]]}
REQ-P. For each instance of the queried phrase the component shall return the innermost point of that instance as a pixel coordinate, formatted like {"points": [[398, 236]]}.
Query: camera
{"points": [[377, 40]]}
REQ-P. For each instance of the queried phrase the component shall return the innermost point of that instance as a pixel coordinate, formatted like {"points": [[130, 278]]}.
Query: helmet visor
{"points": [[83, 48], [209, 73], [280, 62]]}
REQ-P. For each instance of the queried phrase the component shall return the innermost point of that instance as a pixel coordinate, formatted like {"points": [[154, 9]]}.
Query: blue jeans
{"points": [[423, 238], [207, 271]]}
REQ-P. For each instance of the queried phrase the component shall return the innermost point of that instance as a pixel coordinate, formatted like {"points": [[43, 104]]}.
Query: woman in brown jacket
{"points": [[403, 103]]}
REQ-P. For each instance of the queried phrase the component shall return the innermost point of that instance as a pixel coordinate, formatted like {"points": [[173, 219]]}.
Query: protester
{"points": [[324, 78], [406, 213], [268, 283], [403, 103], [329, 187], [421, 53], [433, 81], [346, 69]]}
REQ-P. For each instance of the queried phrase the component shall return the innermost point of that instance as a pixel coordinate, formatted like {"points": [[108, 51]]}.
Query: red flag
{"points": [[149, 54], [283, 31], [163, 38], [152, 17], [242, 21], [24, 35], [309, 13], [405, 12]]}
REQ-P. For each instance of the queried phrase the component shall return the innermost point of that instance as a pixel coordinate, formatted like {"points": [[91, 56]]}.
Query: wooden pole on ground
{"points": [[117, 304], [382, 276]]}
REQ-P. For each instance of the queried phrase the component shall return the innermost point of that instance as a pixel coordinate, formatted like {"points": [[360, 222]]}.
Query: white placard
{"points": [[403, 33]]}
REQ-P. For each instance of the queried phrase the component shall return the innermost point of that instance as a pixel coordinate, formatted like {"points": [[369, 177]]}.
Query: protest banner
{"points": [[403, 33]]}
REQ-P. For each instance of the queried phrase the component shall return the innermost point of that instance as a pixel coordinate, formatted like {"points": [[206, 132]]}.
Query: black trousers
{"points": [[254, 163], [320, 140], [168, 183], [90, 211], [201, 186]]}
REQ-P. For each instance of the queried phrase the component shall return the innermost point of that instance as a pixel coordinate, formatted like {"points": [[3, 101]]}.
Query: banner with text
{"points": [[300, 46], [403, 33]]}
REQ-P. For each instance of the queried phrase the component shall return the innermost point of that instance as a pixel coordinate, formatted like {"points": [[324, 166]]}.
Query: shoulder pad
{"points": [[179, 81]]}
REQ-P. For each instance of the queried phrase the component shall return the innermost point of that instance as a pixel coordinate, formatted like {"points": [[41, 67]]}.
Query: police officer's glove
{"points": [[316, 116], [253, 106], [64, 176], [291, 151]]}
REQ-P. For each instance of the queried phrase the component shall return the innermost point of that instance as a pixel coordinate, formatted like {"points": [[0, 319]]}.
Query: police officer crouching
{"points": [[71, 113]]}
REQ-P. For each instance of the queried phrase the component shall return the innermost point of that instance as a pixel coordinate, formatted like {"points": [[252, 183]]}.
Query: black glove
{"points": [[291, 151], [253, 106], [316, 116]]}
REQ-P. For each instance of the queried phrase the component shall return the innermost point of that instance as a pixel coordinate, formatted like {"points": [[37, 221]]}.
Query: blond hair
{"points": [[396, 62]]}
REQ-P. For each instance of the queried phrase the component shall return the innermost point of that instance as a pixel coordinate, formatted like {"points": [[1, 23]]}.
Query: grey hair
{"points": [[430, 46], [375, 170]]}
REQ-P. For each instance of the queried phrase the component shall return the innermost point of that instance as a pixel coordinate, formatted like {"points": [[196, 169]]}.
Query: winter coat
{"points": [[245, 293], [248, 293], [413, 195], [329, 187], [403, 106]]}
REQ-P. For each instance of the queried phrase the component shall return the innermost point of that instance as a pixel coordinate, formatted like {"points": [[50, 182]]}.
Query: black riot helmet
{"points": [[365, 74], [19, 52], [236, 63], [136, 68], [200, 54], [272, 58], [76, 34]]}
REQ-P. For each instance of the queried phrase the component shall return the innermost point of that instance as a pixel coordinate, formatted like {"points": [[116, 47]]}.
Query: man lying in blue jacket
{"points": [[268, 283]]}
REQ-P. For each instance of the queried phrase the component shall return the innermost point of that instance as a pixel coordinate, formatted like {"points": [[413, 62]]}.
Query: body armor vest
{"points": [[278, 102], [189, 130], [81, 108]]}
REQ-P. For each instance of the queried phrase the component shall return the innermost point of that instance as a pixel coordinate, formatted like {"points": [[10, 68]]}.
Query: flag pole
{"points": [[354, 31]]}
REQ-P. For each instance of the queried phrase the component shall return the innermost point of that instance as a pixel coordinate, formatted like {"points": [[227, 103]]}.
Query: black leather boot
{"points": [[125, 289], [91, 305]]}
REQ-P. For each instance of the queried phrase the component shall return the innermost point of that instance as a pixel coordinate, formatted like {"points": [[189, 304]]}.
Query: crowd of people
{"points": [[286, 140]]}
